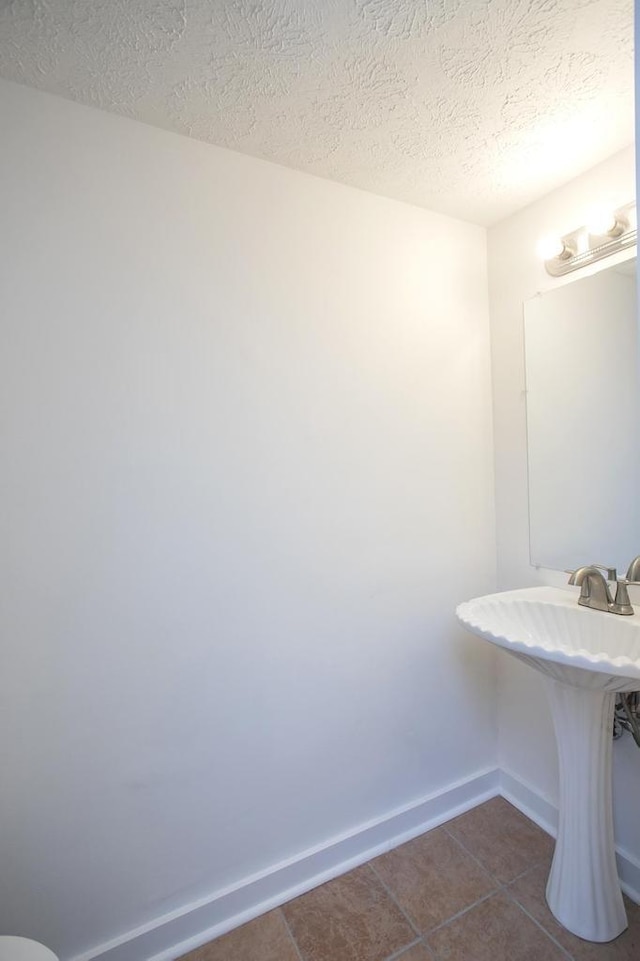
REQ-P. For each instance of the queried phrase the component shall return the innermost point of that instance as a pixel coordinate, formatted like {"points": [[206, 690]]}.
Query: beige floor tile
{"points": [[504, 841], [417, 953], [349, 919], [265, 939], [529, 891], [495, 930], [432, 878]]}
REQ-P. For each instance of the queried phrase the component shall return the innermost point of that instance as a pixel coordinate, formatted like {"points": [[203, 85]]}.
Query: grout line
{"points": [[538, 924], [288, 927], [454, 917], [422, 937], [500, 887], [500, 884], [503, 886], [432, 951], [503, 890], [414, 927], [482, 867], [397, 955], [528, 870]]}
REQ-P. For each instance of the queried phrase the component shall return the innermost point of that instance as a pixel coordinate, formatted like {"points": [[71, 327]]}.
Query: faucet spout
{"points": [[595, 590]]}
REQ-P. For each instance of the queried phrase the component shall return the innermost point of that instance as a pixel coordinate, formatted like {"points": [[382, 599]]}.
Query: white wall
{"points": [[527, 747], [246, 476]]}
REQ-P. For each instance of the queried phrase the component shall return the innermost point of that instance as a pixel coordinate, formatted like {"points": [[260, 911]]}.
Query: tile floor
{"points": [[470, 890]]}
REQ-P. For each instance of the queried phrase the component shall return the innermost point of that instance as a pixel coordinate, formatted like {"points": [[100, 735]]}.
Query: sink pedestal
{"points": [[586, 657], [583, 891]]}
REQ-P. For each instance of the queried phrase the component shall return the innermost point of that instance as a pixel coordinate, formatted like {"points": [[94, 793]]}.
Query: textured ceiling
{"points": [[470, 107]]}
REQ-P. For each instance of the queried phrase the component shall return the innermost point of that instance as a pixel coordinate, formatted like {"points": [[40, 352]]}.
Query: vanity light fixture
{"points": [[549, 248], [605, 233], [603, 222]]}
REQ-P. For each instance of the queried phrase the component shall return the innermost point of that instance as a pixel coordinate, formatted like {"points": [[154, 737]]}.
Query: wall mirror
{"points": [[583, 421]]}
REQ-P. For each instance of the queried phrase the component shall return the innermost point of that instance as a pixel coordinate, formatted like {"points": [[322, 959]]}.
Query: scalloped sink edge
{"points": [[549, 629]]}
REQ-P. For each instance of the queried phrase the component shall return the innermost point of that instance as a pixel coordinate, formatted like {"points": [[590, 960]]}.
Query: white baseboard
{"points": [[544, 812], [174, 934], [530, 801]]}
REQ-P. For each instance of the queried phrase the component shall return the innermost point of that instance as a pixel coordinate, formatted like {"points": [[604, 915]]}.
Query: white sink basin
{"points": [[545, 627], [586, 657]]}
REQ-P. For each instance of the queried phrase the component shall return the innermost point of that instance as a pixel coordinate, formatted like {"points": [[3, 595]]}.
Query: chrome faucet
{"points": [[633, 574], [595, 590]]}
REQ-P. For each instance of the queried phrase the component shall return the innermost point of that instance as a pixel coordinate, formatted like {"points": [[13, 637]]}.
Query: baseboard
{"points": [[629, 873], [537, 806], [174, 934], [544, 812]]}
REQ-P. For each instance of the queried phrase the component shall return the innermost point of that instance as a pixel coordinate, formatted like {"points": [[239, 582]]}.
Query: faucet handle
{"points": [[595, 589], [622, 603], [611, 572]]}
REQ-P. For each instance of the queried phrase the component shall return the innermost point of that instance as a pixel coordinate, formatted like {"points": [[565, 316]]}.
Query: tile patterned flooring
{"points": [[470, 890]]}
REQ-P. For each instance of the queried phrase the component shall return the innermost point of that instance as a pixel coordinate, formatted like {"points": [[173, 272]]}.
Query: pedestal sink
{"points": [[587, 657]]}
